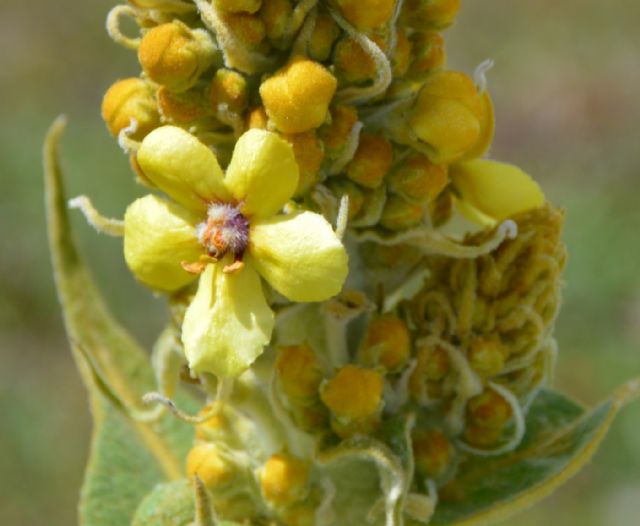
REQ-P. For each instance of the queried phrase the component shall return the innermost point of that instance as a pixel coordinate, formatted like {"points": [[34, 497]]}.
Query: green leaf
{"points": [[128, 458], [561, 438]]}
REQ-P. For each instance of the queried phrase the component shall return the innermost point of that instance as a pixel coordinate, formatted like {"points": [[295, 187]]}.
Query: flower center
{"points": [[225, 230]]}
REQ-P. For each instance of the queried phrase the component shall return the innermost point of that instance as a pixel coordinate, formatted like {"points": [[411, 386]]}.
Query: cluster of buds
{"points": [[327, 113]]}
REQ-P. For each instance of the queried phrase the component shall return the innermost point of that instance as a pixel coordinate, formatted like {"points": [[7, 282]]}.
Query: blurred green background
{"points": [[566, 86]]}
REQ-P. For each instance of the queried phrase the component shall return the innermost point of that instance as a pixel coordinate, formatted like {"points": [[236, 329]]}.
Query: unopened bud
{"points": [[401, 58], [246, 28], [229, 88], [437, 14], [175, 56], [257, 118], [427, 52], [324, 34], [371, 161], [299, 373], [284, 480], [387, 342], [432, 452], [489, 410], [211, 465], [340, 186], [182, 107], [297, 96], [366, 16], [353, 64], [276, 15], [127, 100], [487, 355], [418, 179], [354, 396], [336, 134], [400, 214]]}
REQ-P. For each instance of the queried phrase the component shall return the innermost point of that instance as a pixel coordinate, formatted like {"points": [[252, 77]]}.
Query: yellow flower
{"points": [[489, 191], [227, 229]]}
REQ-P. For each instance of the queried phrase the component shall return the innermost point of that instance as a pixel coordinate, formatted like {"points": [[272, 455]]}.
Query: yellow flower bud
{"points": [[324, 34], [130, 99], [229, 88], [400, 214], [448, 116], [175, 56], [276, 15], [210, 464], [367, 15], [387, 343], [354, 396], [299, 373], [238, 6], [427, 52], [336, 134], [487, 355], [257, 118], [431, 368], [430, 13], [181, 107], [371, 161], [284, 479], [401, 58], [488, 410], [418, 179], [353, 64], [432, 453], [297, 97], [247, 28], [441, 209], [309, 155]]}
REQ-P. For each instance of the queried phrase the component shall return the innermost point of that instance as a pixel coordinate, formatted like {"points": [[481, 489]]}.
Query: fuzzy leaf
{"points": [[128, 458], [561, 438]]}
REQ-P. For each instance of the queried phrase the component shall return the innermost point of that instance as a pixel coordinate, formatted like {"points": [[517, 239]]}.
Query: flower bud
{"points": [[353, 64], [211, 465], [487, 355], [427, 52], [130, 99], [431, 368], [276, 15], [400, 214], [297, 96], [175, 56], [430, 13], [418, 179], [432, 452], [448, 116], [284, 480], [324, 34], [181, 107], [299, 373], [371, 161], [229, 88], [309, 155], [387, 342], [488, 410], [366, 16], [401, 58], [238, 6], [354, 396], [248, 29], [336, 134]]}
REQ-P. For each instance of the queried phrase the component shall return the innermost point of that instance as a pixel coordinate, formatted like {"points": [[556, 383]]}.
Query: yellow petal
{"points": [[263, 173], [182, 166], [498, 190], [300, 256], [158, 236], [228, 323]]}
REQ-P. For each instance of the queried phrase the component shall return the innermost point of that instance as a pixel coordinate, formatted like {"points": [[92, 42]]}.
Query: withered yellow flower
{"points": [[227, 229]]}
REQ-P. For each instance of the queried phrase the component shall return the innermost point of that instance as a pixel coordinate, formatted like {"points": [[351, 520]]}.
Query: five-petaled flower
{"points": [[228, 229]]}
